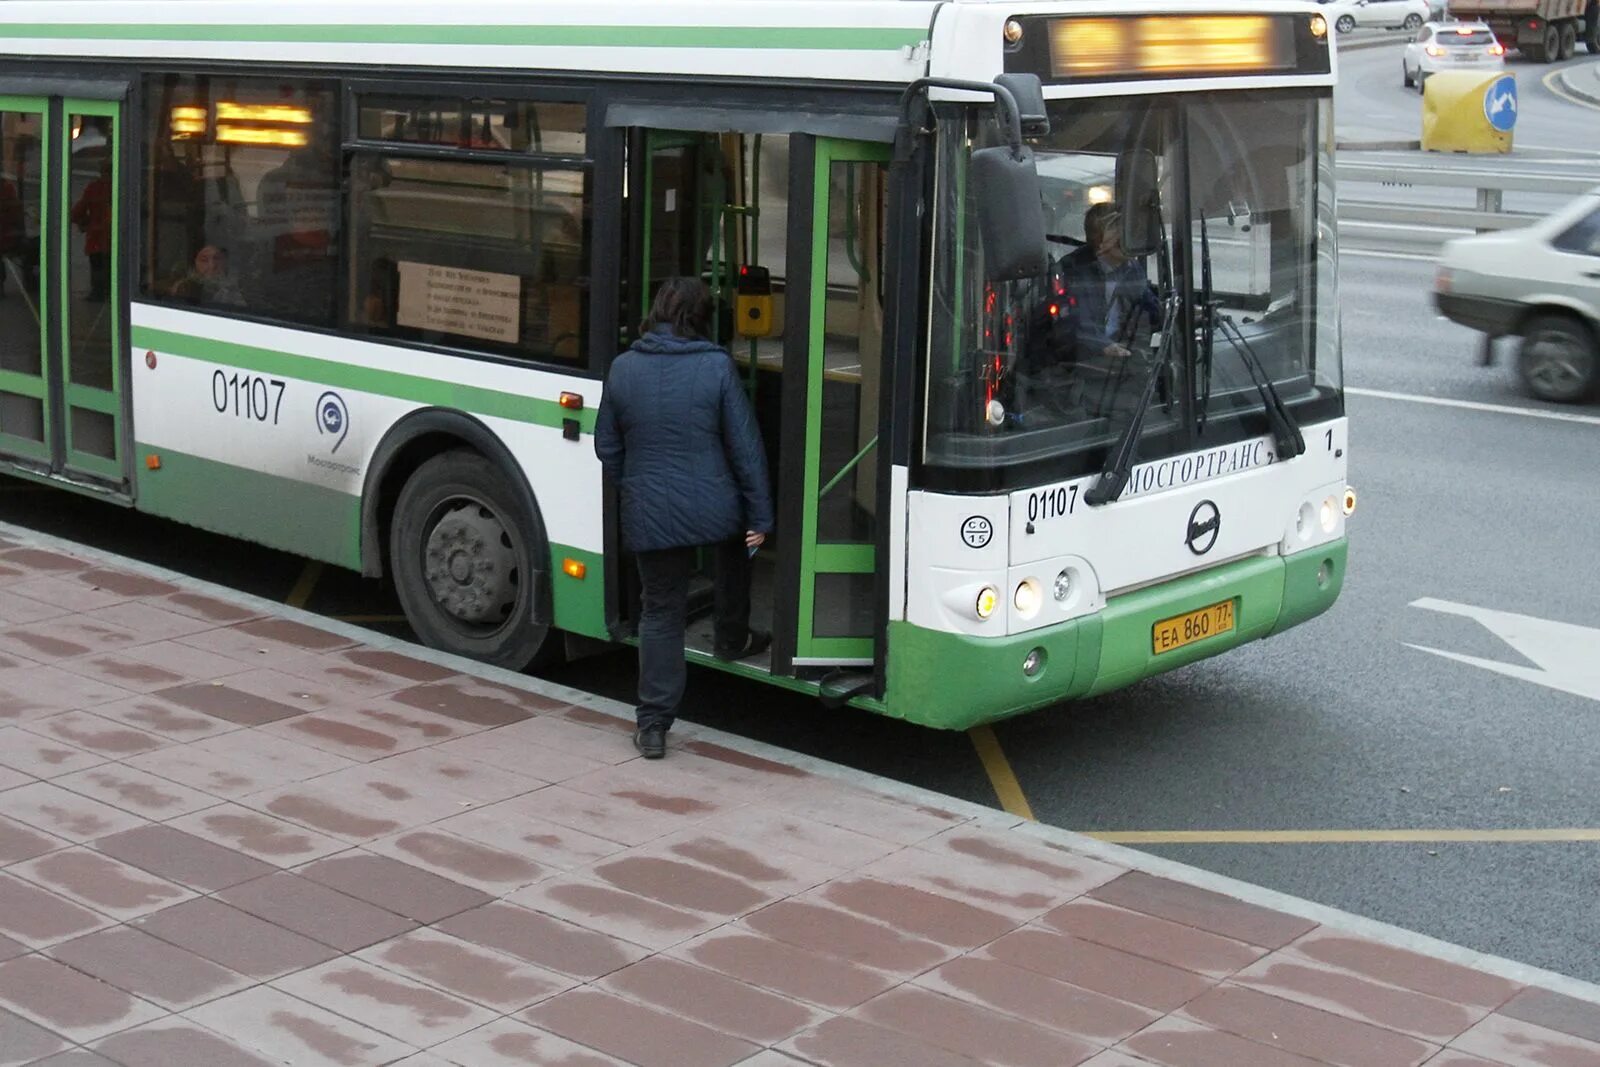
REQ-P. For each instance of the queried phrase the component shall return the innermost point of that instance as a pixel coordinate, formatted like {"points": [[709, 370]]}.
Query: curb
{"points": [[988, 818], [1588, 96], [1378, 146]]}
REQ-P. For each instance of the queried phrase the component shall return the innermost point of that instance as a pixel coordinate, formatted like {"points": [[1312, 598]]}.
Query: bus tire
{"points": [[1559, 360], [470, 562]]}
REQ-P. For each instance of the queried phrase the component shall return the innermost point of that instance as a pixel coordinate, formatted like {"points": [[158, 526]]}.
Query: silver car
{"points": [[1541, 284]]}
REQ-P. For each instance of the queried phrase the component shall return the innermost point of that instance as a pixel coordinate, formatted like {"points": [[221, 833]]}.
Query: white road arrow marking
{"points": [[1568, 656]]}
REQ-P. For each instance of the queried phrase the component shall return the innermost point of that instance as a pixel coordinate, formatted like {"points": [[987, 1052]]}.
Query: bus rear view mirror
{"points": [[1139, 197], [1005, 182]]}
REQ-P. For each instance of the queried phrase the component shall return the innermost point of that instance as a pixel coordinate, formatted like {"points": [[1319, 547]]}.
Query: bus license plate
{"points": [[1191, 626]]}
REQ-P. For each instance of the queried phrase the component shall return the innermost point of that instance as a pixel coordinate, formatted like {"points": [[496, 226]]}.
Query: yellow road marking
{"points": [[1001, 776], [370, 618], [1548, 81], [1326, 837], [301, 593]]}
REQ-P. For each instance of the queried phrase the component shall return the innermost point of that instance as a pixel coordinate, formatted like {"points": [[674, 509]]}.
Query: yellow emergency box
{"points": [[1464, 111]]}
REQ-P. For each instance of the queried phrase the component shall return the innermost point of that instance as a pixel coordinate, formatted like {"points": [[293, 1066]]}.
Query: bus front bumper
{"points": [[957, 681]]}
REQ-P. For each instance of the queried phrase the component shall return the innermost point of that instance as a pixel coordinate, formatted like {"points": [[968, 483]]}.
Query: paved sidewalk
{"points": [[232, 838]]}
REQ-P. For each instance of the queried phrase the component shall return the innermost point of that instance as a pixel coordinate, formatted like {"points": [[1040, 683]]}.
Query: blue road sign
{"points": [[1500, 103]]}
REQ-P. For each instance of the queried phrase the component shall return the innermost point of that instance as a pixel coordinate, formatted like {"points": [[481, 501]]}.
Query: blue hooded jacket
{"points": [[677, 437]]}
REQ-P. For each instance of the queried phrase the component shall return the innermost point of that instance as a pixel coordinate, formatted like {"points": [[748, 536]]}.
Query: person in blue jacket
{"points": [[678, 438]]}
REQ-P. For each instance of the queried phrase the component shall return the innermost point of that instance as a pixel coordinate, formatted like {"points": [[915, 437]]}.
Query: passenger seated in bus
{"points": [[210, 282], [1107, 291]]}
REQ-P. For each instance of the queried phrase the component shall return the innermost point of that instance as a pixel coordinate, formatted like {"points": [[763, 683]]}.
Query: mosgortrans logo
{"points": [[333, 419]]}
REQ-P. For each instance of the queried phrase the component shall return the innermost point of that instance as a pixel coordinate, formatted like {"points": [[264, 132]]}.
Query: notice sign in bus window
{"points": [[469, 303]]}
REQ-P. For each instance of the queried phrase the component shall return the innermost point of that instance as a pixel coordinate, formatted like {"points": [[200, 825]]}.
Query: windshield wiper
{"points": [[1285, 430], [1119, 464]]}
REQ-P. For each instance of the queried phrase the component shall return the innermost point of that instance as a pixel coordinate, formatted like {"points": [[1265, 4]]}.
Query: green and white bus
{"points": [[344, 278]]}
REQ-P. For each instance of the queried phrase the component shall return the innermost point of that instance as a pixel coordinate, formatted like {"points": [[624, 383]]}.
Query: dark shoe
{"points": [[651, 741], [756, 643]]}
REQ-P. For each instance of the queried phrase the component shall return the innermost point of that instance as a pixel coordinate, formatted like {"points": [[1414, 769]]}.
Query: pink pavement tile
{"points": [[823, 980], [154, 715], [1178, 1042], [545, 843], [137, 792], [65, 638], [19, 842], [915, 911], [41, 561], [712, 999], [259, 641], [847, 936], [1017, 865], [234, 939], [64, 813], [102, 883], [1512, 1041], [1157, 939], [287, 1029], [492, 979], [36, 917], [845, 1041], [509, 1043], [771, 1058], [91, 732], [496, 871], [965, 1028], [269, 758], [118, 668], [401, 888], [185, 661], [612, 911], [476, 701], [75, 596], [183, 858], [1580, 1018], [415, 671], [856, 809], [207, 609], [254, 833], [335, 670], [147, 967], [684, 776], [368, 733], [42, 757], [149, 620], [758, 767], [739, 882], [845, 849], [522, 756], [289, 689], [171, 1042], [1291, 976], [68, 1003], [1409, 970], [11, 661], [633, 820], [638, 1034], [542, 940], [343, 810], [24, 1042], [1305, 1031], [31, 692], [417, 1014], [1056, 1005], [599, 745], [1202, 909], [1100, 968], [123, 583], [10, 779], [220, 776], [21, 611], [473, 779], [994, 882]]}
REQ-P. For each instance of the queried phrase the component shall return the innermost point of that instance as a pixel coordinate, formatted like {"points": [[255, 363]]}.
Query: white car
{"points": [[1346, 15], [1450, 46], [1540, 283]]}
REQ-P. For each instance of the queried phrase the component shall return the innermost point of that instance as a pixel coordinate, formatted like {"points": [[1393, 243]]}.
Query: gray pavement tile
{"points": [[31, 692], [542, 940], [67, 637], [181, 857], [634, 1032], [150, 621], [826, 981], [509, 1043], [394, 886], [613, 911], [10, 779], [19, 610], [460, 776], [187, 662], [496, 871], [1027, 995], [123, 583], [222, 701], [71, 1004], [469, 971], [290, 1030], [513, 830], [19, 842], [37, 917], [97, 881], [148, 967], [178, 1043], [417, 1014], [257, 834], [207, 608], [75, 1058], [713, 999], [42, 757], [157, 716], [93, 733], [473, 700], [24, 1042], [64, 813], [315, 911], [236, 940], [1580, 1018], [120, 669], [10, 949], [135, 791], [76, 597]]}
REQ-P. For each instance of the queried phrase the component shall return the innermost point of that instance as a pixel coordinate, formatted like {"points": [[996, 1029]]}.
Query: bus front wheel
{"points": [[468, 559]]}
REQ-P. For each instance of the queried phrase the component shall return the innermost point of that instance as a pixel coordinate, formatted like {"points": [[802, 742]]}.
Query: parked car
{"points": [[1346, 15], [1450, 46], [1541, 284]]}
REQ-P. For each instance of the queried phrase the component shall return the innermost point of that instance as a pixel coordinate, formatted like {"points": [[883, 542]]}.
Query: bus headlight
{"points": [[1028, 597], [988, 598]]}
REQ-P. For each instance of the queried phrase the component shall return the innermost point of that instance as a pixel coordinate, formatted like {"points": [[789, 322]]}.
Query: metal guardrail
{"points": [[1413, 225]]}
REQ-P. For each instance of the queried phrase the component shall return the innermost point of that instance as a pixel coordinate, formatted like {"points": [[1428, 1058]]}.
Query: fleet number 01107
{"points": [[247, 396]]}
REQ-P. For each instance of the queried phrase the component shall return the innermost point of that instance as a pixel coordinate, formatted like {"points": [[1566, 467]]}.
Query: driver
{"points": [[1107, 290]]}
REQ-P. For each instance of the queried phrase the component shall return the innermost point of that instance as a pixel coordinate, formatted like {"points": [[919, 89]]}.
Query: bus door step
{"points": [[839, 687]]}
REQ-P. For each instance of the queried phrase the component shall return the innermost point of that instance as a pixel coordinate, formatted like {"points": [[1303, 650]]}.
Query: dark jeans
{"points": [[665, 575]]}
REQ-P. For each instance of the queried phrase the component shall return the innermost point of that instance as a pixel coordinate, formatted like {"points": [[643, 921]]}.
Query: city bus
{"points": [[1036, 302]]}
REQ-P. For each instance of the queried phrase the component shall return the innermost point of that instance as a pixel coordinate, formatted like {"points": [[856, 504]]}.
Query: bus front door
{"points": [[839, 377], [61, 299]]}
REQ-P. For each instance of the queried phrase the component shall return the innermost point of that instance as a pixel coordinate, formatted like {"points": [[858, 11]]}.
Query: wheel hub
{"points": [[1556, 363], [469, 564]]}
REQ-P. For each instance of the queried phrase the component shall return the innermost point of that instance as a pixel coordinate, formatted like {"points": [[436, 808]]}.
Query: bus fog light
{"points": [[1349, 501], [1063, 586], [1033, 662], [1028, 597], [1305, 522], [988, 597], [1329, 516], [1325, 574]]}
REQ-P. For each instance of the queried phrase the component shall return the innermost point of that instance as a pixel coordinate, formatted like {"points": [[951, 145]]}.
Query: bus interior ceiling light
{"points": [[257, 135], [1168, 44], [228, 110]]}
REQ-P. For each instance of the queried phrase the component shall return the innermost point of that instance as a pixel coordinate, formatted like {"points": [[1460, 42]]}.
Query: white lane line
{"points": [[1473, 405], [1416, 257]]}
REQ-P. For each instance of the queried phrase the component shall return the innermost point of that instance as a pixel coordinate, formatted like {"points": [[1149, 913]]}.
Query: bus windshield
{"points": [[1038, 377]]}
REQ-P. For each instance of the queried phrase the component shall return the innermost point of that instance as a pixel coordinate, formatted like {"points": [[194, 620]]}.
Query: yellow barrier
{"points": [[1464, 111]]}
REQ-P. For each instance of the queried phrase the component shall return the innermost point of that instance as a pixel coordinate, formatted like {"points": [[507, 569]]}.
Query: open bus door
{"points": [[62, 404]]}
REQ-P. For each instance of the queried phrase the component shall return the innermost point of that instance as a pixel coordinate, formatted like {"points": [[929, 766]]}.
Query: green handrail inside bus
{"points": [[848, 467]]}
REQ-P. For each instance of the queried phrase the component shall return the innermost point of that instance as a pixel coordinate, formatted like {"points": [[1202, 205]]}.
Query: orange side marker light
{"points": [[152, 462], [573, 568]]}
